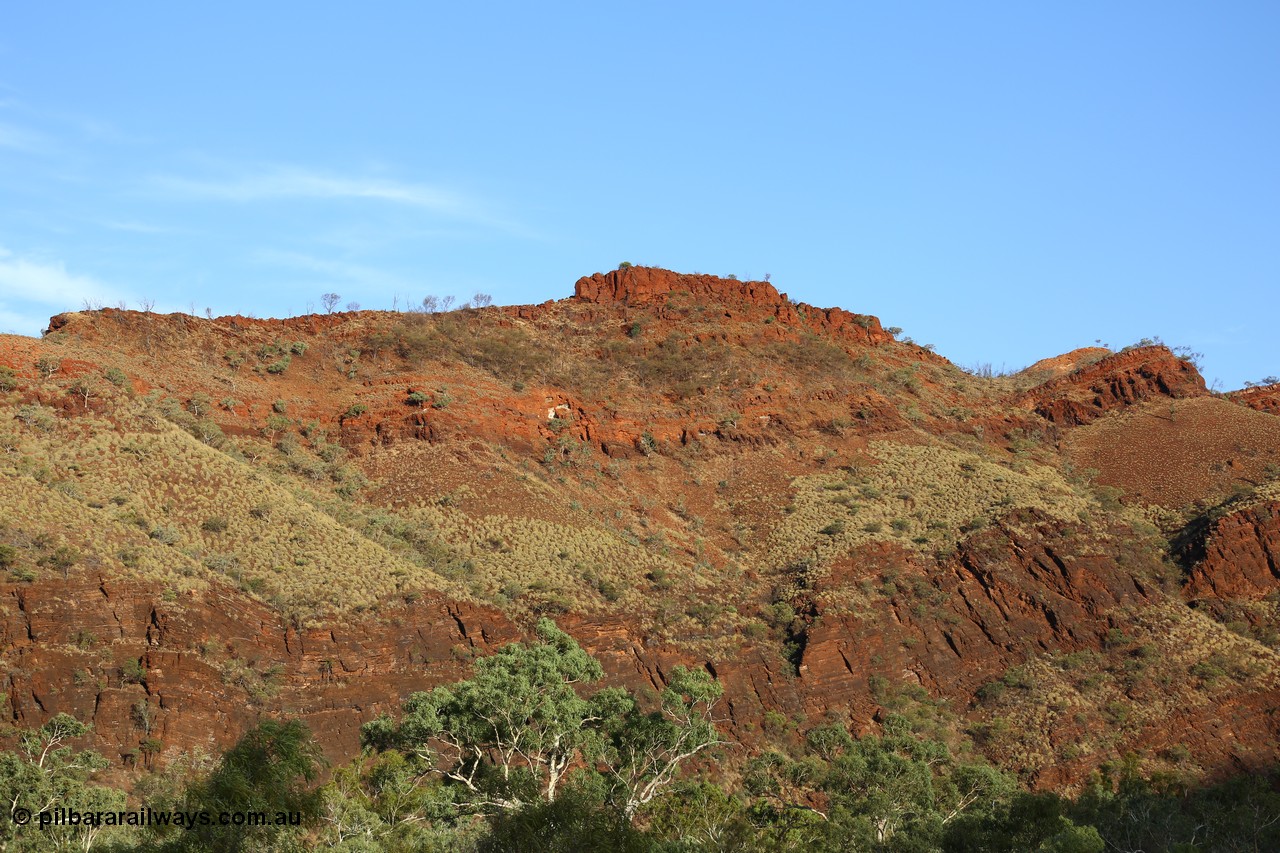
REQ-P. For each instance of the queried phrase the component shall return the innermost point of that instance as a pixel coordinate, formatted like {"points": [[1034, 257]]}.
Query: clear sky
{"points": [[1006, 181]]}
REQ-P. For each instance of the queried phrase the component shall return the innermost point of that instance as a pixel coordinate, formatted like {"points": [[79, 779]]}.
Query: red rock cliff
{"points": [[1113, 383]]}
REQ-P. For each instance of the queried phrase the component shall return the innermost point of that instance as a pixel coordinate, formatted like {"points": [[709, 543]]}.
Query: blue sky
{"points": [[1005, 181]]}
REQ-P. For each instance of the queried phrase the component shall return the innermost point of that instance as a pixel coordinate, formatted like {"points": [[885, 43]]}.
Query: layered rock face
{"points": [[647, 285], [1240, 556], [1114, 382], [651, 286], [1264, 398], [120, 655]]}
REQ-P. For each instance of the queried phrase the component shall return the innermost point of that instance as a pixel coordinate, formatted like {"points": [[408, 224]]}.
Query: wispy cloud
{"points": [[333, 270], [28, 282], [141, 227], [283, 183], [21, 139], [286, 183]]}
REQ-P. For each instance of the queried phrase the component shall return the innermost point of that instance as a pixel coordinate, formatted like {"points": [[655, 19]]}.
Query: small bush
{"points": [[47, 366], [215, 524], [165, 534], [133, 672], [37, 417], [61, 559], [280, 365], [991, 691]]}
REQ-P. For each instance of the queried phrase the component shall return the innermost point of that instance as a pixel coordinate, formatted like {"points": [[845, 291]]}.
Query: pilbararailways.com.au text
{"points": [[151, 817]]}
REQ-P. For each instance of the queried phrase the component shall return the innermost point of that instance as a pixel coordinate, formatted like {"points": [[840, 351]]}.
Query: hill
{"points": [[209, 520]]}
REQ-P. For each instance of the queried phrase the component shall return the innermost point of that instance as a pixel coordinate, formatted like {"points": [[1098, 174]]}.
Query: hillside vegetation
{"points": [[1076, 561]]}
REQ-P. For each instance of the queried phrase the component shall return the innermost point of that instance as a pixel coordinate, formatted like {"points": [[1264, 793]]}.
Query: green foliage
{"points": [[8, 379], [200, 404], [646, 750], [275, 425], [269, 770], [509, 734], [37, 417], [61, 559], [47, 772], [165, 534], [280, 365], [116, 376], [46, 366], [512, 735], [575, 822]]}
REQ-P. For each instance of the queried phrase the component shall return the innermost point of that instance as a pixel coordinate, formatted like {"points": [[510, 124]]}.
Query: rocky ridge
{"points": [[1015, 591]]}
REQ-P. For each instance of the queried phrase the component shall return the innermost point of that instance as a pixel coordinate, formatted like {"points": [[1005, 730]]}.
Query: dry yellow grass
{"points": [[178, 508], [920, 496]]}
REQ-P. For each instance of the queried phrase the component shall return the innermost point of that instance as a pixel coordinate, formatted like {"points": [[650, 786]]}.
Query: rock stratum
{"points": [[208, 521]]}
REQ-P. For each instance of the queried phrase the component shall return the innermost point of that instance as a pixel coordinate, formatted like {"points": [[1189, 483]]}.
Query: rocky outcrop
{"points": [[963, 623], [1114, 383], [651, 286], [1240, 555], [647, 285], [193, 672], [1264, 398]]}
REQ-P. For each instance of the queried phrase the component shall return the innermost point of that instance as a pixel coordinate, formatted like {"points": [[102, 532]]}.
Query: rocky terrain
{"points": [[205, 521]]}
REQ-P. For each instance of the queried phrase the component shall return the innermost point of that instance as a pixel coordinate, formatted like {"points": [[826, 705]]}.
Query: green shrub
{"points": [[276, 424], [992, 691], [22, 573], [280, 365], [47, 366], [116, 376], [165, 534], [37, 417], [133, 672], [61, 559], [215, 524]]}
